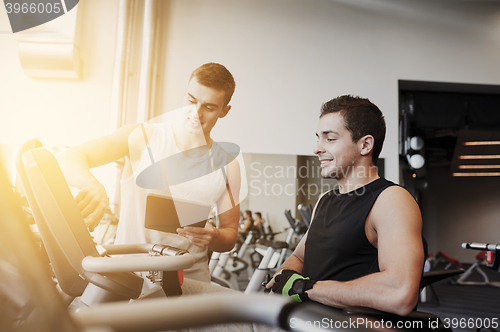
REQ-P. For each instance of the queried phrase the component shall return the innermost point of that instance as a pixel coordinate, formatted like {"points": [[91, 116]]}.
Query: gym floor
{"points": [[466, 302]]}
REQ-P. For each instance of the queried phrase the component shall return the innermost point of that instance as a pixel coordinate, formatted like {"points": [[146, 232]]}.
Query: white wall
{"points": [[272, 187], [290, 56]]}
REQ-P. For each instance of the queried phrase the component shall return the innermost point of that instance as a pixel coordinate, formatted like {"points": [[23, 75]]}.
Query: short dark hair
{"points": [[259, 214], [215, 76], [361, 118]]}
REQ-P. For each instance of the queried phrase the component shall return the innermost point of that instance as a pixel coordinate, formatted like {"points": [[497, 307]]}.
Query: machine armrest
{"points": [[434, 276], [141, 248], [137, 264]]}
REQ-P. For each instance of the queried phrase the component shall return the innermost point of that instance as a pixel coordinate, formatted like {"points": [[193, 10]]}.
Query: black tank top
{"points": [[337, 247]]}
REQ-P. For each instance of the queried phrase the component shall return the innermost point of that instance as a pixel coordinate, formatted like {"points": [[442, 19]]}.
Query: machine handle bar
{"points": [[481, 246]]}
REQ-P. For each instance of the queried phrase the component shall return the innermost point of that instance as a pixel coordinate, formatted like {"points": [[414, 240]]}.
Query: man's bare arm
{"points": [[78, 160], [76, 163], [396, 219]]}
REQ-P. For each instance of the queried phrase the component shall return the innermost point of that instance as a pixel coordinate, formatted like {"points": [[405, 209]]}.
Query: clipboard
{"points": [[162, 215]]}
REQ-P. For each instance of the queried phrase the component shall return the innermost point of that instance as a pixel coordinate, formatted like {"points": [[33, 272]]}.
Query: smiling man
{"points": [[364, 245], [214, 182]]}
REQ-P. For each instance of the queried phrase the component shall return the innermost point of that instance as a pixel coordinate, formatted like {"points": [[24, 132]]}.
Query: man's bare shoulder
{"points": [[393, 204], [395, 195]]}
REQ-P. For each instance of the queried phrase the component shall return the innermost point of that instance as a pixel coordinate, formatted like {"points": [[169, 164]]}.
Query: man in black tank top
{"points": [[364, 245]]}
